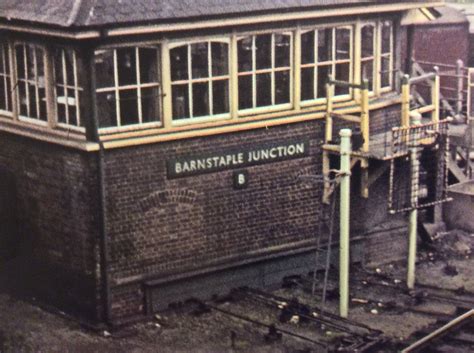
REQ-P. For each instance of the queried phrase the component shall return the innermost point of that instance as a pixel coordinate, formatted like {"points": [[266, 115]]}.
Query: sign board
{"points": [[237, 157]]}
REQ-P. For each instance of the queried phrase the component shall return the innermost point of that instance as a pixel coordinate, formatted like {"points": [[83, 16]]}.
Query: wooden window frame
{"points": [[332, 63], [116, 88], [391, 54], [210, 80], [254, 110], [375, 57], [6, 79], [66, 87], [34, 82]]}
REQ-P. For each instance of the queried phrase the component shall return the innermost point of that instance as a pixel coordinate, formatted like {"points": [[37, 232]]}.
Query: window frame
{"points": [[391, 54], [375, 57], [66, 87], [116, 88], [27, 119], [6, 79], [333, 62], [254, 110], [209, 79]]}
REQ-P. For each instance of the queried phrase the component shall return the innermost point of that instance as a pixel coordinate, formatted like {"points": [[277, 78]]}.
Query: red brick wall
{"points": [[57, 211]]}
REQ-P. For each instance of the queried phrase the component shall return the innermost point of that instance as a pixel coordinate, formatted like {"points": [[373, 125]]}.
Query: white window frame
{"points": [[6, 79], [332, 63], [138, 86], [66, 87], [209, 80], [34, 83], [254, 72], [381, 55], [375, 57]]}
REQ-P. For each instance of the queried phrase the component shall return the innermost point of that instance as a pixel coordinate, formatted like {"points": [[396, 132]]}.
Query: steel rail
{"points": [[440, 332]]}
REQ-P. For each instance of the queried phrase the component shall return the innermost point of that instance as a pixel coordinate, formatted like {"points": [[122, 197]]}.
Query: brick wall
{"points": [[56, 200]]}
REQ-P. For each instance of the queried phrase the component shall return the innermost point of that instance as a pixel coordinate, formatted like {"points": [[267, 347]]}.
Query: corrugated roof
{"points": [[86, 13]]}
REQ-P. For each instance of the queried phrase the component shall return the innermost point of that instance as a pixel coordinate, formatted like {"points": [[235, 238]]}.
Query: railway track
{"points": [[455, 336]]}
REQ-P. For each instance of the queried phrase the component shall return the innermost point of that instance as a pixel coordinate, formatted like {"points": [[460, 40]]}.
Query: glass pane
{"points": [[220, 93], [368, 72], [62, 113], [323, 74], [282, 50], [23, 99], [307, 48], [20, 61], [150, 102], [342, 74], [69, 61], [128, 107], [104, 68], [180, 98], [3, 56], [220, 59], [367, 36], [127, 66], [264, 88], [325, 44], [106, 110], [263, 44], [343, 43], [42, 105], [244, 49], [61, 103], [3, 94], [39, 74], [58, 66], [282, 87], [200, 99], [200, 60], [386, 36], [33, 102], [307, 83], [386, 71], [72, 115], [148, 58], [245, 92], [179, 63]]}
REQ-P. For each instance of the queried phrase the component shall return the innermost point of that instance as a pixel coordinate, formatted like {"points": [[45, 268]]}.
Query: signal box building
{"points": [[151, 151]]}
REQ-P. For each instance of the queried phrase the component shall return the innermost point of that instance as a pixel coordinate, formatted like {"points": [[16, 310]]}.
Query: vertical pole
{"points": [[460, 87], [413, 217], [345, 170], [435, 97], [329, 95], [365, 130], [405, 101]]}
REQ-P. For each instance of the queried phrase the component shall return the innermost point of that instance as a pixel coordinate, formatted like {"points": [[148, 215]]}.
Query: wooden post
{"points": [[405, 101], [297, 70], [166, 82], [329, 97], [435, 96], [327, 184], [365, 130], [50, 89], [460, 86], [234, 84]]}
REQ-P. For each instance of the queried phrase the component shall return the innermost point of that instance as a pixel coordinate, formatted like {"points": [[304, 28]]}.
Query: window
{"points": [[5, 83], [324, 52], [68, 87], [386, 57], [200, 80], [264, 70], [128, 89], [31, 82], [368, 54]]}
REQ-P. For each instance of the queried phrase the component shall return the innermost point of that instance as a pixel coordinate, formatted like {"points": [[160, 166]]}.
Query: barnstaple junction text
{"points": [[234, 158]]}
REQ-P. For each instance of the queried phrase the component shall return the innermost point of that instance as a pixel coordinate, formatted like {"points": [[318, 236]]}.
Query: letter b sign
{"points": [[240, 179]]}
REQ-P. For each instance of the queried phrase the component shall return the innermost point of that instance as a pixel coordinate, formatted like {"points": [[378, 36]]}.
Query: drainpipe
{"points": [[92, 127], [413, 216], [345, 171]]}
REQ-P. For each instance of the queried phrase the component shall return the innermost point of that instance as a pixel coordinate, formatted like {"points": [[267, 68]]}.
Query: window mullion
{"points": [[27, 90], [254, 72], [190, 83], [139, 89], [14, 83], [117, 92], [316, 64], [5, 85], [36, 83], [65, 85], [210, 82], [272, 77], [76, 88]]}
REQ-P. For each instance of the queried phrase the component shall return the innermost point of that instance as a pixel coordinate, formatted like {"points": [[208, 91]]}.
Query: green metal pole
{"points": [[413, 217], [345, 171]]}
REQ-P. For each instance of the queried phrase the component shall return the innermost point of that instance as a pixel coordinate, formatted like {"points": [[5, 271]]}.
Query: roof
{"points": [[468, 11], [449, 15], [96, 13]]}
